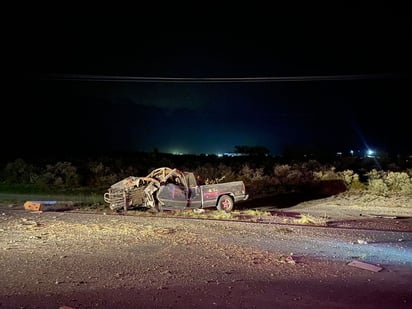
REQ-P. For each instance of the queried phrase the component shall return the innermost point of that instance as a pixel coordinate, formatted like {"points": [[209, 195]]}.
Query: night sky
{"points": [[336, 84]]}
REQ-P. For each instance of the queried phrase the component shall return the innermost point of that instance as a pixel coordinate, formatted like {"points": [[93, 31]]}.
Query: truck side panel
{"points": [[211, 193]]}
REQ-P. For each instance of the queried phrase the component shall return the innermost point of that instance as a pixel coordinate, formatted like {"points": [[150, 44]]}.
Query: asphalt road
{"points": [[340, 244], [88, 260]]}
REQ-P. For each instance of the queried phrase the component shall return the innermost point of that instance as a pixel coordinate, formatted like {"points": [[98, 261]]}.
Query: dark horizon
{"points": [[92, 116], [313, 106]]}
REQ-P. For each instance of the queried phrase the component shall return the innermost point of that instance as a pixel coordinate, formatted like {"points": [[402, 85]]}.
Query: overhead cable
{"points": [[264, 79]]}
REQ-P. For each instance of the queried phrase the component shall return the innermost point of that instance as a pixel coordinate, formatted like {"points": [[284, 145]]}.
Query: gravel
{"points": [[90, 260]]}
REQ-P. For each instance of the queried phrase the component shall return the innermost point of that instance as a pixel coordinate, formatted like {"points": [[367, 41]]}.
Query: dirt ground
{"points": [[95, 260], [359, 210]]}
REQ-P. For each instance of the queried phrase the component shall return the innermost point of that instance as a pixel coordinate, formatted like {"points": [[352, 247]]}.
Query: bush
{"points": [[260, 176], [383, 183], [398, 182]]}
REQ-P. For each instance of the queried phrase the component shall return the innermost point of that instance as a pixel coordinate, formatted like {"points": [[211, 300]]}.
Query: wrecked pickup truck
{"points": [[171, 189]]}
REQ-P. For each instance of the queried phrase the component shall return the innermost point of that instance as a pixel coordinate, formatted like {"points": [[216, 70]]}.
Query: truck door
{"points": [[173, 196], [194, 193], [195, 197]]}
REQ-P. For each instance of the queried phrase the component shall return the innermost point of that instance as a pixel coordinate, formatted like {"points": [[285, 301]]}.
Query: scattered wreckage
{"points": [[171, 189]]}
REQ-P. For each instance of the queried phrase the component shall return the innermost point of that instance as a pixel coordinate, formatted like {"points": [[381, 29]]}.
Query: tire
{"points": [[225, 203]]}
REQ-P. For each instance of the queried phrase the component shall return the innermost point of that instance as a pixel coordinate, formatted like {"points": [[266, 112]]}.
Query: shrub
{"points": [[378, 186], [19, 172], [399, 182], [248, 174], [385, 182], [62, 174], [351, 180]]}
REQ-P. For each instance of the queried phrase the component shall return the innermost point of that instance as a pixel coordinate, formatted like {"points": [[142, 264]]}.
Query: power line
{"points": [[147, 79]]}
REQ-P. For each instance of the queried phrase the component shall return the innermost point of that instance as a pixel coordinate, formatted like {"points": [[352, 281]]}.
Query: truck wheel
{"points": [[225, 203]]}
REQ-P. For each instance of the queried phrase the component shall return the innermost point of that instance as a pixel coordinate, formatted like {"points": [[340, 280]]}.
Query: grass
{"points": [[255, 212], [252, 215], [307, 219], [19, 193], [81, 199]]}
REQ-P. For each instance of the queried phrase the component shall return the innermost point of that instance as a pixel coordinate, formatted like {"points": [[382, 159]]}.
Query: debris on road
{"points": [[366, 266], [199, 211], [32, 206], [48, 206], [379, 216]]}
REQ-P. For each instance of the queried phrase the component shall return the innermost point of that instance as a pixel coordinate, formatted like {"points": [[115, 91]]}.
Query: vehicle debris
{"points": [[380, 216], [366, 266], [172, 189], [39, 206], [32, 206]]}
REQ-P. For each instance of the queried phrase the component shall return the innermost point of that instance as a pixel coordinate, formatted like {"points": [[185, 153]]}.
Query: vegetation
{"points": [[88, 179]]}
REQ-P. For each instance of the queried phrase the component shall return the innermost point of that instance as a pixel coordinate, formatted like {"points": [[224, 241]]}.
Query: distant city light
{"points": [[176, 152], [370, 153], [233, 154]]}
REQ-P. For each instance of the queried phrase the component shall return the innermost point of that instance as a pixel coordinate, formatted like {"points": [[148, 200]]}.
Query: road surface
{"points": [[55, 259]]}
